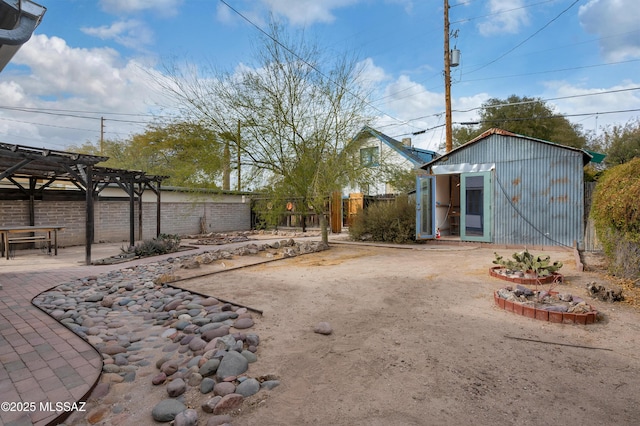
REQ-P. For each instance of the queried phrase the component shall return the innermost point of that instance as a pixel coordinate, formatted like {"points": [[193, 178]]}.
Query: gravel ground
{"points": [[416, 340]]}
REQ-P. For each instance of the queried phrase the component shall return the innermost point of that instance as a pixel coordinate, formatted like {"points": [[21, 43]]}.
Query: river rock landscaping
{"points": [[196, 347]]}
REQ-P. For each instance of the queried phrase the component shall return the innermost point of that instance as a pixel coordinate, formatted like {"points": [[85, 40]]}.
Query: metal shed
{"points": [[504, 188]]}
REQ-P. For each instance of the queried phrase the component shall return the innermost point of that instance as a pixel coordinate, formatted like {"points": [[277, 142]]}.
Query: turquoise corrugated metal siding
{"points": [[538, 190]]}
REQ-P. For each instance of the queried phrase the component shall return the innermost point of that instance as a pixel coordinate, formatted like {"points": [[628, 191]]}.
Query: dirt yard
{"points": [[418, 341]]}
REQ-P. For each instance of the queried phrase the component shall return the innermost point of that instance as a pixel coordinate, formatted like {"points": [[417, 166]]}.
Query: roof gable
{"points": [[417, 156]]}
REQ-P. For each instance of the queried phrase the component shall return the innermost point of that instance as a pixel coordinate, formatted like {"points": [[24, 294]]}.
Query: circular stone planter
{"points": [[542, 314], [554, 277]]}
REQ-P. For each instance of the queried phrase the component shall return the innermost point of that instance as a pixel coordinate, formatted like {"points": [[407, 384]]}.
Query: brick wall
{"points": [[111, 218]]}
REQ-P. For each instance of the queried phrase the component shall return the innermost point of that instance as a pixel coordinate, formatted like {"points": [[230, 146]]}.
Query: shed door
{"points": [[425, 207], [475, 204]]}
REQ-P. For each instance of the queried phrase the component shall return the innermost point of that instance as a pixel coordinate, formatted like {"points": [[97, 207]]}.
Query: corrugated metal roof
{"points": [[586, 157]]}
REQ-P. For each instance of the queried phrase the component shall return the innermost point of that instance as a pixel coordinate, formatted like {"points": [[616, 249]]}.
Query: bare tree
{"points": [[295, 114]]}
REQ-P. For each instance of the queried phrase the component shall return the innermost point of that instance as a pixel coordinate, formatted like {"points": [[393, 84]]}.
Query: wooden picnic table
{"points": [[12, 235]]}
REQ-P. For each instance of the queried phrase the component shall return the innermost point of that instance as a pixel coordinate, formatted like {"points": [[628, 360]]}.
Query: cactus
{"points": [[525, 261]]}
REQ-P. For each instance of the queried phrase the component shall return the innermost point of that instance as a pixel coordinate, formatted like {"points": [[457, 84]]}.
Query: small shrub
{"points": [[164, 243], [392, 221]]}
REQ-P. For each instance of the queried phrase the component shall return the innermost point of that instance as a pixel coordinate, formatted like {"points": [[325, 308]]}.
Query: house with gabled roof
{"points": [[384, 154], [504, 188]]}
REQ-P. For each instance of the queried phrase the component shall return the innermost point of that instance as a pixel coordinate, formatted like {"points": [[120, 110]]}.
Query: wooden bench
{"points": [[8, 237], [31, 239]]}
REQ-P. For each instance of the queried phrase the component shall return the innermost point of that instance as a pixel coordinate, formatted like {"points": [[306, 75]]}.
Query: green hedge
{"points": [[616, 213]]}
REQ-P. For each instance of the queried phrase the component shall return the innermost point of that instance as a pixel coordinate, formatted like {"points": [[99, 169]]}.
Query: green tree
{"points": [[525, 116], [621, 143], [192, 155], [298, 110], [118, 153]]}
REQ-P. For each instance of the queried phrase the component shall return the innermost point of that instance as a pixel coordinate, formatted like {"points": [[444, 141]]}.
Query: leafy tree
{"points": [[621, 143], [525, 116], [298, 110], [190, 154], [118, 153]]}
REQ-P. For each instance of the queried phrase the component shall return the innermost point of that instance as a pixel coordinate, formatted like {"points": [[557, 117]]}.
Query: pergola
{"points": [[32, 170]]}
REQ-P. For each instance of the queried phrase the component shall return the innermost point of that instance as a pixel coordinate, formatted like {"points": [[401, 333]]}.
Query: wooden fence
{"points": [[591, 242]]}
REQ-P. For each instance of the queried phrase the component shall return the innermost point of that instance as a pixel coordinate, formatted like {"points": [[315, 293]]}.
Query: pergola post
{"points": [[89, 216], [158, 211], [132, 194]]}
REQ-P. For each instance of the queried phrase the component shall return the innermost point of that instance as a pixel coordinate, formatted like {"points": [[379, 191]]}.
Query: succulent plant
{"points": [[524, 261]]}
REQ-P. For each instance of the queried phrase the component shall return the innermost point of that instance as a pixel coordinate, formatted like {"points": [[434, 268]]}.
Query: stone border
{"points": [[544, 315], [554, 277]]}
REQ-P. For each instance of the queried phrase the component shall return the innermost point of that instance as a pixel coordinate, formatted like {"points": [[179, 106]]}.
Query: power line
{"points": [[100, 113], [275, 40], [468, 19], [499, 12], [519, 103], [500, 77], [405, 122], [607, 92], [511, 75], [551, 71], [548, 117], [551, 116], [48, 125], [68, 114], [526, 39]]}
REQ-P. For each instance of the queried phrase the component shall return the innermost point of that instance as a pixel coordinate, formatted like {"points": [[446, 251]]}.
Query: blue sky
{"points": [[90, 59]]}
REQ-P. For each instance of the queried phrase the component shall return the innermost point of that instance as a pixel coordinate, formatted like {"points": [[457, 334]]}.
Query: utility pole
{"points": [[226, 166], [447, 79], [238, 141], [101, 135]]}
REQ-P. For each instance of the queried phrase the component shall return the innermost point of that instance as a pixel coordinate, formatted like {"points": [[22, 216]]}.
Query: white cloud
{"points": [[11, 93], [407, 4], [422, 109], [465, 108], [130, 33], [307, 12], [296, 12], [595, 101], [411, 99], [224, 14], [507, 17], [370, 73], [69, 83], [415, 107], [161, 7], [616, 22]]}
